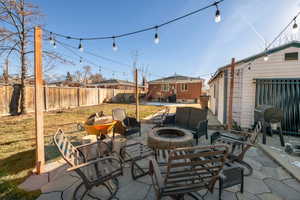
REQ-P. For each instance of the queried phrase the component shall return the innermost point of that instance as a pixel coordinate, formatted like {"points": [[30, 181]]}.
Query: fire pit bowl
{"points": [[169, 138]]}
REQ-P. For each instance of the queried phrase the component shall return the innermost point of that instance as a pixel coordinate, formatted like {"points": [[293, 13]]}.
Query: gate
{"points": [[284, 94]]}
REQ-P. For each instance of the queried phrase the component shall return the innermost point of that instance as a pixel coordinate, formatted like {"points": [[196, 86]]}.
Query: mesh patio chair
{"points": [[128, 125], [188, 170], [239, 143], [94, 170]]}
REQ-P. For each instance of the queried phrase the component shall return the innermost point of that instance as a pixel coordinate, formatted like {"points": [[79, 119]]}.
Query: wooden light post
{"points": [[230, 120], [39, 116], [137, 110]]}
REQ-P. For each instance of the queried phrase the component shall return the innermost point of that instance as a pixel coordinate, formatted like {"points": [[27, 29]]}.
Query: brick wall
{"points": [[193, 91]]}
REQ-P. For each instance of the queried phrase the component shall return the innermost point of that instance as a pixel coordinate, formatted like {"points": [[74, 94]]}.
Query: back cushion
{"points": [[119, 114], [182, 116], [196, 115]]}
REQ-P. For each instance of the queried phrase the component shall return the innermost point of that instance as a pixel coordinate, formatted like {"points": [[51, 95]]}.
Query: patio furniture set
{"points": [[177, 168]]}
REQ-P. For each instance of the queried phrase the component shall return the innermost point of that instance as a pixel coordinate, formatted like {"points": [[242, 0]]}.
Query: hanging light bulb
{"points": [[80, 61], [218, 14], [295, 27], [156, 37], [266, 57], [54, 44], [51, 39], [80, 47], [114, 46]]}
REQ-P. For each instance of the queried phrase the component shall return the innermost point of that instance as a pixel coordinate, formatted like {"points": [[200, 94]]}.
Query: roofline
{"points": [[255, 56]]}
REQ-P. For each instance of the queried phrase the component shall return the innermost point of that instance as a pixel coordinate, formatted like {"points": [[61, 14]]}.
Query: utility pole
{"points": [[39, 106]]}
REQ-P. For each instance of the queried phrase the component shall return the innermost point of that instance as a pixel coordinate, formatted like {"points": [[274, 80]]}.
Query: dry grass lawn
{"points": [[17, 142]]}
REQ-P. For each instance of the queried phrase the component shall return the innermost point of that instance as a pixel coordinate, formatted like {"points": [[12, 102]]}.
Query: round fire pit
{"points": [[169, 138]]}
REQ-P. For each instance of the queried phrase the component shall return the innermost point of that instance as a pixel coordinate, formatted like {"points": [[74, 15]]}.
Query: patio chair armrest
{"points": [[94, 162], [232, 140], [155, 174]]}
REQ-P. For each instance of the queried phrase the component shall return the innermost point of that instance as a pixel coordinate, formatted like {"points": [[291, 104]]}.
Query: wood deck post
{"points": [[230, 120], [39, 102], [137, 110]]}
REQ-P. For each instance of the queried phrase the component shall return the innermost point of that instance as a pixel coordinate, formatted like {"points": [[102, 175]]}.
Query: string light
{"points": [[156, 37], [218, 14], [114, 46], [80, 47], [51, 39], [54, 44], [295, 27], [80, 60], [266, 57]]}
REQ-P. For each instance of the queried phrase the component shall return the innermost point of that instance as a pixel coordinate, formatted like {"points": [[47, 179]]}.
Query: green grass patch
{"points": [[17, 143]]}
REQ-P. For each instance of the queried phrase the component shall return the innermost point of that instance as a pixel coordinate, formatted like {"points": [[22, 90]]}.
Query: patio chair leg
{"points": [[77, 189], [135, 166], [242, 183], [220, 188]]}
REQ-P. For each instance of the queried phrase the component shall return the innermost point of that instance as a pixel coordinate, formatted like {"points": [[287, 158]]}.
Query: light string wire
{"points": [[215, 4]]}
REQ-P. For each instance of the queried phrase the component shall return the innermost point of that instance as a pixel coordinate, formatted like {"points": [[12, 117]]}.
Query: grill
{"points": [[268, 115]]}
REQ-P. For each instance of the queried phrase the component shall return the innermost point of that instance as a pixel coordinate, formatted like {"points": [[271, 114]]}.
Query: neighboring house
{"points": [[256, 81], [175, 88], [117, 84]]}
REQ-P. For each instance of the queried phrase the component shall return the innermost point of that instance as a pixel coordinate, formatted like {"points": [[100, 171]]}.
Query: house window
{"points": [[291, 56], [165, 87], [184, 87]]}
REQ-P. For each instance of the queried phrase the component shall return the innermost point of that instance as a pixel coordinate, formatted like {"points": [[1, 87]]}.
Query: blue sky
{"points": [[194, 46]]}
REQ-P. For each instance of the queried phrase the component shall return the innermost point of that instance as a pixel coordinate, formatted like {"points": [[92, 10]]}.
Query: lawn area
{"points": [[17, 143]]}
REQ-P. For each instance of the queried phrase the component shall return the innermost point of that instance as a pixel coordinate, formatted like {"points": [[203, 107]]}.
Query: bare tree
{"points": [[96, 78], [16, 38], [78, 76], [86, 70], [19, 18]]}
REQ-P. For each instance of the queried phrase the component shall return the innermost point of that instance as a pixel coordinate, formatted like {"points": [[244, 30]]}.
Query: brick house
{"points": [[117, 84], [175, 89]]}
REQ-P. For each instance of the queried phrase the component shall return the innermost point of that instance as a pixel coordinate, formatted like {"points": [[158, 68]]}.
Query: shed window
{"points": [[184, 87], [291, 56]]}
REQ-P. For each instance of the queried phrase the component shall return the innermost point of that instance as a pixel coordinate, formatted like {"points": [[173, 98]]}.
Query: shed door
{"points": [[284, 94]]}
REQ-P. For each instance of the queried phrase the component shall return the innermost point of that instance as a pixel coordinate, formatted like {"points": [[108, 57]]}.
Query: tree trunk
{"points": [[23, 64]]}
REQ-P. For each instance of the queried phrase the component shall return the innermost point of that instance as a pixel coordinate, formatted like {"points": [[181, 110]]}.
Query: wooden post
{"points": [[137, 110], [39, 102], [230, 120]]}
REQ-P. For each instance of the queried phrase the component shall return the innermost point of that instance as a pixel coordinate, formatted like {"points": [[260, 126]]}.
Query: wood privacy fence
{"points": [[56, 98]]}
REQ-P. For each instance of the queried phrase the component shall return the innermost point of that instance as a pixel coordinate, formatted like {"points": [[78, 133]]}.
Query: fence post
{"points": [[78, 97], [45, 98]]}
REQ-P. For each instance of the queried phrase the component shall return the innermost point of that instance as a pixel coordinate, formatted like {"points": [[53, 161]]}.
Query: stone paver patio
{"points": [[268, 181]]}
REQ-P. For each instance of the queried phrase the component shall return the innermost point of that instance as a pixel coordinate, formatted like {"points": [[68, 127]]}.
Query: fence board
{"points": [[59, 97]]}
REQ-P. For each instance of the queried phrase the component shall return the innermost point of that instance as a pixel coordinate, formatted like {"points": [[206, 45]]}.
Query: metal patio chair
{"points": [[134, 153], [188, 170], [128, 125], [239, 142], [96, 170]]}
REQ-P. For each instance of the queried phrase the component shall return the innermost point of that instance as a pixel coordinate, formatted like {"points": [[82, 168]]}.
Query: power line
{"points": [[217, 19]]}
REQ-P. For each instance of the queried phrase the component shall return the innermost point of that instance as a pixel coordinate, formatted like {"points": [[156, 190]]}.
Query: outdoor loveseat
{"points": [[193, 119]]}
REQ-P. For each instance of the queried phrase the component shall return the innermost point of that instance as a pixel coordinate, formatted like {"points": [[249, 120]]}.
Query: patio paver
{"points": [[269, 181]]}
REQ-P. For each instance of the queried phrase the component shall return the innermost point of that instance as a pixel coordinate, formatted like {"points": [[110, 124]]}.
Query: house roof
{"points": [[255, 56], [115, 81], [176, 78]]}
